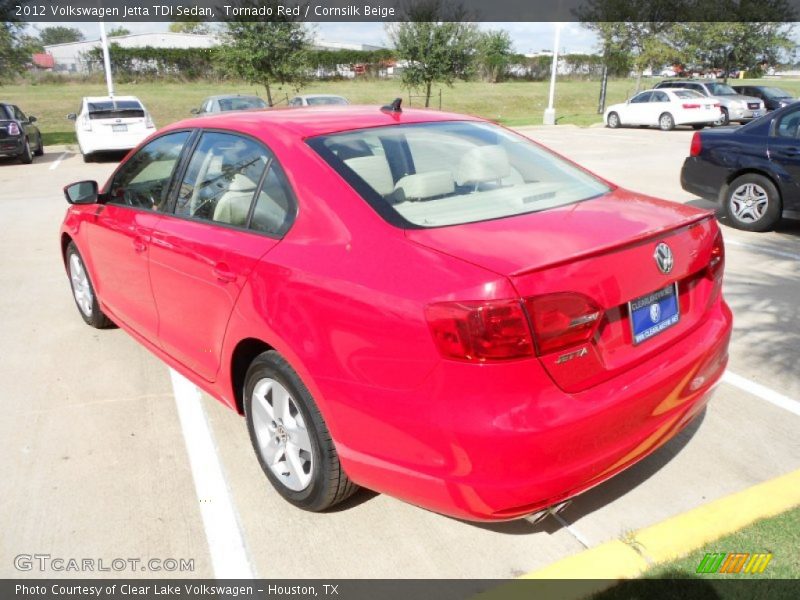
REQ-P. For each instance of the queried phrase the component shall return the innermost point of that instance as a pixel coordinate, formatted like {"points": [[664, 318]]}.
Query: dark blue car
{"points": [[19, 137], [753, 171]]}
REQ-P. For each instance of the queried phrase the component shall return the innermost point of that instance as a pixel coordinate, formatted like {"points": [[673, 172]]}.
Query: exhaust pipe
{"points": [[541, 515]]}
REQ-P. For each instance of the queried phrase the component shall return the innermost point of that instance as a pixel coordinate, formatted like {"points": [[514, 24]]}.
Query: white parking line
{"points": [[226, 545], [57, 162], [763, 392], [573, 530], [757, 248]]}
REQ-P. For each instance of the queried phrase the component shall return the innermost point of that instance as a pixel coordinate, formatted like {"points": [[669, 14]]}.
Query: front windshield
{"points": [[449, 173], [720, 89]]}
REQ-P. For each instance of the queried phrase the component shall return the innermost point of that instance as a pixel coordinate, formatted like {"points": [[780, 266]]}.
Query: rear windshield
{"points": [[449, 173], [226, 104], [683, 94], [325, 100], [116, 109]]}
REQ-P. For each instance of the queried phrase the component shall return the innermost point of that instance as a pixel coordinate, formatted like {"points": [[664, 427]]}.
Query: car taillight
{"points": [[716, 265], [480, 331], [697, 145], [13, 129], [562, 320], [717, 105], [691, 106]]}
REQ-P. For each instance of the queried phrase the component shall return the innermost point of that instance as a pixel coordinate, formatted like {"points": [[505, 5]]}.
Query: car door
{"points": [[31, 131], [638, 109], [783, 148], [232, 207], [119, 234]]}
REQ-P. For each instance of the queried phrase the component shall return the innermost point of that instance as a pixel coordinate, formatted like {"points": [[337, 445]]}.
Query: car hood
{"points": [[522, 243]]}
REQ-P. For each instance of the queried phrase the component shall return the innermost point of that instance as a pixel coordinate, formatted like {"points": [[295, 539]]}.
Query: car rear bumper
{"points": [[498, 442], [117, 142], [11, 146], [701, 177]]}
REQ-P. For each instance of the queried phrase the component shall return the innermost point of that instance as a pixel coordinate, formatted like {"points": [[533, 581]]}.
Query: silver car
{"points": [[735, 107]]}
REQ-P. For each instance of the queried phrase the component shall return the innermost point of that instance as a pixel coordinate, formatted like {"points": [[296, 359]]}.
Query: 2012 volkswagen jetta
{"points": [[420, 303]]}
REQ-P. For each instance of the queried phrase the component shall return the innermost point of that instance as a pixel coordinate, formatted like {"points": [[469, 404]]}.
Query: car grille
{"points": [[753, 105]]}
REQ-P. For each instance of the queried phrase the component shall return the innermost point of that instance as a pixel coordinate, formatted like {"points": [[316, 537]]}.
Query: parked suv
{"points": [[735, 107], [774, 98], [19, 137]]}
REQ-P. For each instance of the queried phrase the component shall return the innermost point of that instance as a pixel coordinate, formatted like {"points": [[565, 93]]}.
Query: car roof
{"points": [[314, 121], [223, 96], [111, 98], [319, 96]]}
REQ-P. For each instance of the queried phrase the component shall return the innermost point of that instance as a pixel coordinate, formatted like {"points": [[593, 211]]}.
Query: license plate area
{"points": [[119, 128], [653, 313]]}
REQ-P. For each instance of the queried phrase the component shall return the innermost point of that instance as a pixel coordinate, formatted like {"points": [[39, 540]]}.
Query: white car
{"points": [[110, 124], [665, 109], [318, 100]]}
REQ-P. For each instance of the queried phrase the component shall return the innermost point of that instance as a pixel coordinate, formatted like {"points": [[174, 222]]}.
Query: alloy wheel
{"points": [[81, 288]]}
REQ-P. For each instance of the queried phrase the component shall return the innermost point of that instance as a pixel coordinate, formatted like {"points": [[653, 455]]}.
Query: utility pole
{"points": [[106, 59], [550, 111]]}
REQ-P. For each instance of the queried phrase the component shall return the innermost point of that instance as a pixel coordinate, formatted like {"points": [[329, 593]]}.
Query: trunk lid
{"points": [[603, 249]]}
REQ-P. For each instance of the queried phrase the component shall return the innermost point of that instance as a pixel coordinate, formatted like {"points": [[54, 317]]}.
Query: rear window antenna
{"points": [[395, 106]]}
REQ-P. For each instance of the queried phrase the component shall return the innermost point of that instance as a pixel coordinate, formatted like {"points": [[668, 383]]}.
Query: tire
{"points": [[613, 120], [83, 290], [294, 427], [666, 122], [753, 203], [26, 157], [87, 158], [697, 127], [39, 148], [725, 119]]}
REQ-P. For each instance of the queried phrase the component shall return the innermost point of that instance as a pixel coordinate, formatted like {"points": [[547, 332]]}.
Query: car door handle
{"points": [[139, 244], [223, 273]]}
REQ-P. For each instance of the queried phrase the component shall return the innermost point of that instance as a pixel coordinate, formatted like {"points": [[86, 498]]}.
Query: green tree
{"points": [[119, 31], [267, 53], [494, 54], [195, 27], [436, 42], [59, 35], [740, 45]]}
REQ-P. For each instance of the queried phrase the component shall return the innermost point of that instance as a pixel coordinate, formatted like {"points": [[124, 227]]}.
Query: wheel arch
{"points": [[65, 241], [243, 354]]}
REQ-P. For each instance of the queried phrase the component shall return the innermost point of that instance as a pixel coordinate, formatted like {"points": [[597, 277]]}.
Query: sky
{"points": [[527, 37]]}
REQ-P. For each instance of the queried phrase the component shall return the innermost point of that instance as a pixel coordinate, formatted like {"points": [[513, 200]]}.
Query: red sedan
{"points": [[420, 303]]}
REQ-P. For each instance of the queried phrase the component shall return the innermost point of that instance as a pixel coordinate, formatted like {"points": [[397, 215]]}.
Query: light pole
{"points": [[106, 59], [550, 111]]}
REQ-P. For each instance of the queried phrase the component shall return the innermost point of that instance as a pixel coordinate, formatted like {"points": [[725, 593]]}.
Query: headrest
{"points": [[241, 183], [481, 164], [375, 171], [424, 185]]}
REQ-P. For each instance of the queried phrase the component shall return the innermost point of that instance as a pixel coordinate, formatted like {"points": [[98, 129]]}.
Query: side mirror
{"points": [[31, 119], [195, 111], [82, 192], [72, 116]]}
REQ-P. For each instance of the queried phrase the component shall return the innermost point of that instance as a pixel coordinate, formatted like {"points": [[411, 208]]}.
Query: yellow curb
{"points": [[680, 534]]}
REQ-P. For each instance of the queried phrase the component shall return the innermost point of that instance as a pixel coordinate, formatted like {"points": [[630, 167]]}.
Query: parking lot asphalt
{"points": [[102, 460]]}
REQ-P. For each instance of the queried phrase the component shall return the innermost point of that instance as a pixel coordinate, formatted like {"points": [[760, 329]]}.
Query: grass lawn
{"points": [[779, 535], [517, 103], [513, 103]]}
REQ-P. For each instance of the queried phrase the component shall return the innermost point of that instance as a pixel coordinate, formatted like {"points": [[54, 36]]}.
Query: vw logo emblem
{"points": [[655, 312], [664, 259]]}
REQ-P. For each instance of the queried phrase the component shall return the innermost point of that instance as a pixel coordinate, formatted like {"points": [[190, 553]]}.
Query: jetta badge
{"points": [[664, 259]]}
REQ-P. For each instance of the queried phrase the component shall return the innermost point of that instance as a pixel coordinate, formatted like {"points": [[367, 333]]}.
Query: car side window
{"points": [[698, 88], [643, 97], [788, 125], [660, 97], [274, 209], [143, 181], [19, 115], [221, 179]]}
